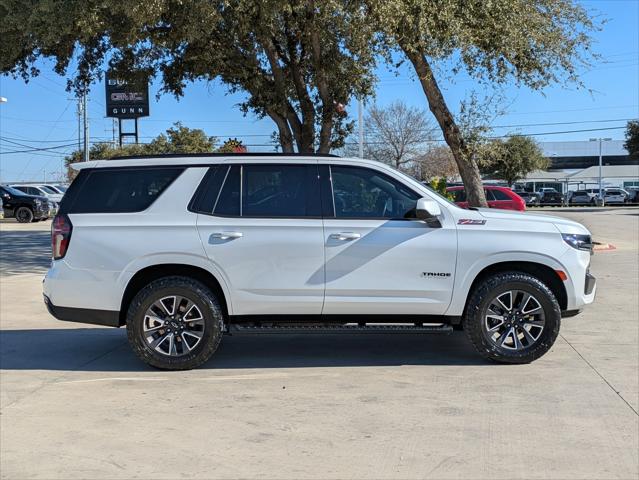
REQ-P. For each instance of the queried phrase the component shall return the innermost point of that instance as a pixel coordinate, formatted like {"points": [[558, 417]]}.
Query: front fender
{"points": [[470, 272]]}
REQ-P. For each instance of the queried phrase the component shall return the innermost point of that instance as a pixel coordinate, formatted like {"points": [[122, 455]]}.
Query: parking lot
{"points": [[76, 403]]}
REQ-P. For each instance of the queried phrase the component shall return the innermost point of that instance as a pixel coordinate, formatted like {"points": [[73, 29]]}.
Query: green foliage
{"points": [[632, 138], [177, 139], [511, 160], [295, 61], [439, 184]]}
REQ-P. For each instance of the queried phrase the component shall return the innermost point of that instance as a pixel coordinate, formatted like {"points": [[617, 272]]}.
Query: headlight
{"points": [[580, 242]]}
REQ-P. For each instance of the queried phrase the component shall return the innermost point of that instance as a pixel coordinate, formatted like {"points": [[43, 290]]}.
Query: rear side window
{"points": [[499, 195], [121, 190], [266, 191]]}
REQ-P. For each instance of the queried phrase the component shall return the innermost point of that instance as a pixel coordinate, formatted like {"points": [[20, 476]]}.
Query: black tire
{"points": [[24, 215], [198, 294], [477, 308]]}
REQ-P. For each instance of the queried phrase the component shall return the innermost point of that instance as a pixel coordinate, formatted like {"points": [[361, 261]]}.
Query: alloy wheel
{"points": [[173, 325], [514, 320]]}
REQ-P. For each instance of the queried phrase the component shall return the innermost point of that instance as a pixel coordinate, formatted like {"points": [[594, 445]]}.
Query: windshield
{"points": [[48, 189], [13, 191], [61, 188], [428, 187]]}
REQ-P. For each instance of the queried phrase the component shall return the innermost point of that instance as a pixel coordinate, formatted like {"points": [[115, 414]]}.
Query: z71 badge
{"points": [[470, 221]]}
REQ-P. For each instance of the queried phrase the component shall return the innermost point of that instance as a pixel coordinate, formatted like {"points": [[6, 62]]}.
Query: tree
{"points": [[632, 138], [533, 42], [397, 134], [177, 139], [436, 162], [513, 159], [295, 61]]}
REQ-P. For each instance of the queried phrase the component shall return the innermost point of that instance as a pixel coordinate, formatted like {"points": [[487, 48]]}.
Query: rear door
{"points": [[379, 258], [263, 232], [502, 200]]}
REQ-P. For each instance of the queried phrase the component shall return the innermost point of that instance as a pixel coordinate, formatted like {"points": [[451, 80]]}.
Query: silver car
{"points": [[580, 197], [615, 195]]}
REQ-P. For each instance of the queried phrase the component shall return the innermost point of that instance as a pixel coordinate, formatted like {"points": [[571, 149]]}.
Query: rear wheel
{"points": [[24, 215], [512, 318], [175, 323]]}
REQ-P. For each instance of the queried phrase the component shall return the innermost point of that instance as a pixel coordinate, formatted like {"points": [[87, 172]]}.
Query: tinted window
{"points": [[280, 191], [489, 195], [365, 193], [228, 202], [499, 195], [460, 195], [121, 190]]}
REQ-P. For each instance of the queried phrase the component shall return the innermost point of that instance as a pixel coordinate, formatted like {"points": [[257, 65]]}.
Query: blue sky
{"points": [[42, 114]]}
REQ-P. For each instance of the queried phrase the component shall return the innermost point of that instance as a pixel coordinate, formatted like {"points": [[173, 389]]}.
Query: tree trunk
{"points": [[286, 137], [468, 169]]}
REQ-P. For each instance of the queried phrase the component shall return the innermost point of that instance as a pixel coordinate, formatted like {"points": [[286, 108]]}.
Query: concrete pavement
{"points": [[76, 403]]}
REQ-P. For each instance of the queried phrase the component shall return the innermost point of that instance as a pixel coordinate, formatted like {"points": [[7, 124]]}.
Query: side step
{"points": [[240, 329]]}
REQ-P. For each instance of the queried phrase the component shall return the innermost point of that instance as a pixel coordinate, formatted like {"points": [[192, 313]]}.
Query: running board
{"points": [[239, 329]]}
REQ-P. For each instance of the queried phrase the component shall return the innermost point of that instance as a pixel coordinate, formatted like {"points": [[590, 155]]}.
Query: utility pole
{"points": [[360, 125], [79, 124], [86, 126], [600, 140]]}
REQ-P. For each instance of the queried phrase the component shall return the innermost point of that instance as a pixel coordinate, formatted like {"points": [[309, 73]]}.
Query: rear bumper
{"points": [[106, 318]]}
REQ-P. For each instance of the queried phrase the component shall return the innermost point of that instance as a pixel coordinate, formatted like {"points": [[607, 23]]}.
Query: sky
{"points": [[42, 114]]}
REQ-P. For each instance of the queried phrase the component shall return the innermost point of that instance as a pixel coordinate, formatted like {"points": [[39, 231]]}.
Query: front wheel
{"points": [[512, 317], [24, 215], [175, 323]]}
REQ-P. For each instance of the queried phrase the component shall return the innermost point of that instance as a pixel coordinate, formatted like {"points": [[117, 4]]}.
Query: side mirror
{"points": [[427, 209]]}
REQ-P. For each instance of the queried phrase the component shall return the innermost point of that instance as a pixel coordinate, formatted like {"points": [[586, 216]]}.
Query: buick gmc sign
{"points": [[125, 99]]}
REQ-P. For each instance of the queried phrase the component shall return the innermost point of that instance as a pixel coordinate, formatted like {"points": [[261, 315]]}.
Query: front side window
{"points": [[366, 193]]}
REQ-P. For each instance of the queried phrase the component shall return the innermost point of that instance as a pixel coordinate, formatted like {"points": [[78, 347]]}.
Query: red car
{"points": [[497, 197]]}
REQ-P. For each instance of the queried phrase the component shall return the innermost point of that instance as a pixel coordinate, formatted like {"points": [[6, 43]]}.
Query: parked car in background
{"points": [[550, 196], [41, 190], [497, 197], [59, 188], [580, 197], [24, 208], [633, 195], [615, 196], [531, 198]]}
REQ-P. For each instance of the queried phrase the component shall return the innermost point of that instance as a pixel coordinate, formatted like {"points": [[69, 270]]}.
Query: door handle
{"points": [[226, 235], [345, 236]]}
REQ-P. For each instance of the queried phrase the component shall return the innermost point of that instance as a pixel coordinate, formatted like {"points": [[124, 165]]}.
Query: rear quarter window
{"points": [[121, 190]]}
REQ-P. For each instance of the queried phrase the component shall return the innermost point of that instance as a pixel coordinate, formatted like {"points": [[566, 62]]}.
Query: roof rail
{"points": [[192, 155]]}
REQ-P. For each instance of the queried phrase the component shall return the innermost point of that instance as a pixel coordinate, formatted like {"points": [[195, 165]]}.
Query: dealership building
{"points": [[575, 166]]}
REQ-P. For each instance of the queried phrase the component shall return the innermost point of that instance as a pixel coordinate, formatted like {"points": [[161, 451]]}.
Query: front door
{"points": [[264, 235], [379, 258]]}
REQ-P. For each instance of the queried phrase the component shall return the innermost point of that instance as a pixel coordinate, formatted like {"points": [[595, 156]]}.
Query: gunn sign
{"points": [[126, 100]]}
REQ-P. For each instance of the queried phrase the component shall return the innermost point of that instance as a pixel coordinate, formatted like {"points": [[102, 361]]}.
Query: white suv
{"points": [[182, 249]]}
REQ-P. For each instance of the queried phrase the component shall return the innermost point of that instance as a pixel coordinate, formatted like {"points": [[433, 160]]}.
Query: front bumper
{"points": [[106, 318]]}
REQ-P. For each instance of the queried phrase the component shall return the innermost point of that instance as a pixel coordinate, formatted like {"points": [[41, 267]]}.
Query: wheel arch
{"points": [[541, 271], [150, 273]]}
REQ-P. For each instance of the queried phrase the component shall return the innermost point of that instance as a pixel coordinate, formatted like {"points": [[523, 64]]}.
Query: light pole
{"points": [[360, 126], [600, 140]]}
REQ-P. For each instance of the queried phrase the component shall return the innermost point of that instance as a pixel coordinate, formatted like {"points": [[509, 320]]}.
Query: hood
{"points": [[564, 225]]}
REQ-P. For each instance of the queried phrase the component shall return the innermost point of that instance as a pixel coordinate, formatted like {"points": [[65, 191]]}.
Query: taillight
{"points": [[60, 235]]}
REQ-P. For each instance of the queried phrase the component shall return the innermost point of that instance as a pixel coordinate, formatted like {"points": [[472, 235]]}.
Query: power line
{"points": [[38, 149]]}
